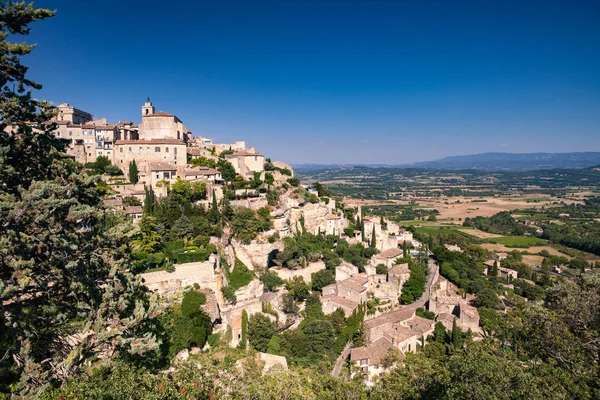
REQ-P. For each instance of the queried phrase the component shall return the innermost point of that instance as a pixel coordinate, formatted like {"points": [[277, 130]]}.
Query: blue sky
{"points": [[336, 81]]}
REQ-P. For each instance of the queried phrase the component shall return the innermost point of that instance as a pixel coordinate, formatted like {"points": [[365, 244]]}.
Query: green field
{"points": [[519, 241], [433, 230]]}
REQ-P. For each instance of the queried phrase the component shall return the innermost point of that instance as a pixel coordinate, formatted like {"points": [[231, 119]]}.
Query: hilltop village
{"points": [[386, 280]]}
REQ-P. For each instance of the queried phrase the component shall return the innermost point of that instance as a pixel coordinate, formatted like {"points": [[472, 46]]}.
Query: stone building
{"points": [[346, 294], [246, 162], [400, 329]]}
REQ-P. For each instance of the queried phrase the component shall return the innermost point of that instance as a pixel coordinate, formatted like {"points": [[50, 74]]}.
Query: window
{"points": [[58, 134], [130, 149], [166, 149], [148, 149], [157, 149], [363, 361], [99, 153], [166, 175], [121, 161], [157, 176], [141, 149], [255, 158], [121, 149], [70, 133], [89, 154]]}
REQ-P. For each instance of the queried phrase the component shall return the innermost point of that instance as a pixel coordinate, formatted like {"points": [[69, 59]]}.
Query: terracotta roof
{"points": [[134, 210], [109, 126], [374, 352], [90, 126], [389, 254], [125, 123], [63, 122], [151, 141], [361, 279], [332, 217], [401, 314], [243, 153], [161, 166], [401, 333], [420, 324], [445, 317], [113, 203], [349, 283], [340, 301], [399, 269], [160, 114], [201, 171]]}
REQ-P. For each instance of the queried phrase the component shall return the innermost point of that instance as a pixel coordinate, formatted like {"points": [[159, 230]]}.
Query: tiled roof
{"points": [[332, 217], [243, 153], [401, 333], [201, 171], [389, 254], [160, 114], [420, 324], [349, 283], [401, 314], [374, 352], [399, 269], [340, 301], [133, 210], [161, 166], [361, 279], [113, 203]]}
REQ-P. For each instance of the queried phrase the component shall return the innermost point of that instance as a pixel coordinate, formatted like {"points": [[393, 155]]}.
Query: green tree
{"points": [[64, 273], [260, 331], [227, 170], [322, 278], [133, 172], [183, 227], [244, 335], [271, 281], [373, 243], [381, 269]]}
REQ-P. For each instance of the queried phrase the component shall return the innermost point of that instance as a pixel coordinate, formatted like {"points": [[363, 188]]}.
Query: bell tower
{"points": [[147, 108]]}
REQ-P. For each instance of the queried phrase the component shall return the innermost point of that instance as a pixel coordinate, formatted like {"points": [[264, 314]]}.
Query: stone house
{"points": [[346, 294], [246, 162], [135, 213], [203, 174], [387, 257], [401, 329]]}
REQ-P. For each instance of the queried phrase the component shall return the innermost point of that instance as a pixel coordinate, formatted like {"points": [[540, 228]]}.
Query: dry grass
{"points": [[480, 234]]}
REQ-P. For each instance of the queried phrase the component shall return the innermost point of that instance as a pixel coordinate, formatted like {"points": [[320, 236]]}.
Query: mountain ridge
{"points": [[490, 161]]}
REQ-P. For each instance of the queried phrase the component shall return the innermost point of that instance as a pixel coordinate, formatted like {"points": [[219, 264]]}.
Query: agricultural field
{"points": [[518, 241]]}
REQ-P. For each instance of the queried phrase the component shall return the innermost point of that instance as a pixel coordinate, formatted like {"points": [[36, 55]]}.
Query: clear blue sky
{"points": [[336, 81]]}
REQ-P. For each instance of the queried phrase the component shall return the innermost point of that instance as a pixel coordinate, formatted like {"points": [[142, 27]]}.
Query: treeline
{"points": [[502, 224]]}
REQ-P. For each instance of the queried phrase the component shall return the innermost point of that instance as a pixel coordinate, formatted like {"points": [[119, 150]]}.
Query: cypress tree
{"points": [[373, 244], [213, 213], [455, 338], [244, 338], [133, 172]]}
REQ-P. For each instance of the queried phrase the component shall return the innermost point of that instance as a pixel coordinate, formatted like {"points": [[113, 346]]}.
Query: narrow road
{"points": [[339, 363]]}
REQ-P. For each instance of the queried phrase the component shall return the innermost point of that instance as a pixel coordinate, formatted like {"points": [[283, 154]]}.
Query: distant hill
{"points": [[515, 161]]}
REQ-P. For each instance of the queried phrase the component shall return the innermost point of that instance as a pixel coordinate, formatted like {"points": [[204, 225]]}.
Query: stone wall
{"points": [[167, 283], [305, 273], [256, 255]]}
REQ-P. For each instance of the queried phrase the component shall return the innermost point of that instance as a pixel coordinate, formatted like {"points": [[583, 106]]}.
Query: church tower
{"points": [[148, 108]]}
